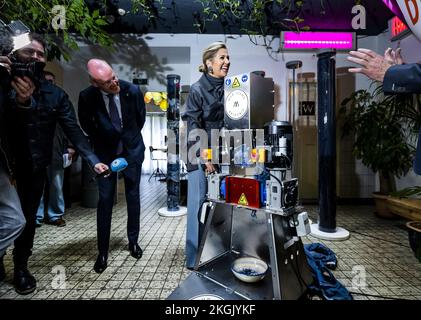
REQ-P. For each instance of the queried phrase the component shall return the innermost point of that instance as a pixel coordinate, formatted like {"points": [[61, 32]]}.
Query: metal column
{"points": [[326, 82], [173, 152]]}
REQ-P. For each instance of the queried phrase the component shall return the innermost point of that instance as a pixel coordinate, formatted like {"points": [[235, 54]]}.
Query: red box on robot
{"points": [[243, 191]]}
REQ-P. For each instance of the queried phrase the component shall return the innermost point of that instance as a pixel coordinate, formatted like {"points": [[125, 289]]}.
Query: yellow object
{"points": [[157, 97], [254, 155], [236, 83], [261, 157], [243, 200], [163, 105], [207, 154], [148, 97], [258, 155]]}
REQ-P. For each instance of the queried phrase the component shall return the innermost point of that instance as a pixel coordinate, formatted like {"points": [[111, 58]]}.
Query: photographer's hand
{"points": [[24, 89], [6, 63]]}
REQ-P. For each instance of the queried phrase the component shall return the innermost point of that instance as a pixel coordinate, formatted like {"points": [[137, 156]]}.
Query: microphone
{"points": [[117, 165]]}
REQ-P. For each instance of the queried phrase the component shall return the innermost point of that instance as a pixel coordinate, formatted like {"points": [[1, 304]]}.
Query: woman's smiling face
{"points": [[220, 64]]}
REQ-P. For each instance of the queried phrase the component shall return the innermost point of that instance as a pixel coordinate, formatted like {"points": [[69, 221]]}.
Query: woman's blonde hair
{"points": [[210, 53]]}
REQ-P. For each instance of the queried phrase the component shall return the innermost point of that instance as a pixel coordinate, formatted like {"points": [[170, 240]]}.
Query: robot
{"points": [[251, 210]]}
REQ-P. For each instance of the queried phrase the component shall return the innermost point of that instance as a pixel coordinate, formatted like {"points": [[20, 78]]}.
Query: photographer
{"points": [[12, 220], [35, 107]]}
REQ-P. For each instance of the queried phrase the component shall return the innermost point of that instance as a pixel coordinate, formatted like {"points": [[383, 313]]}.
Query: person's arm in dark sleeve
{"points": [[68, 122], [193, 115], [194, 111], [67, 145], [61, 142], [403, 78], [86, 120], [141, 109]]}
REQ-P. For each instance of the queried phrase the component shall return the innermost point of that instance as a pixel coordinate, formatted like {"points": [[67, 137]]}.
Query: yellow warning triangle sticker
{"points": [[243, 200], [236, 83]]}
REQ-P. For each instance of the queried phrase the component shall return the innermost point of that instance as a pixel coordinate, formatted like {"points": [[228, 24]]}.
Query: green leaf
{"points": [[101, 22], [407, 192], [95, 14]]}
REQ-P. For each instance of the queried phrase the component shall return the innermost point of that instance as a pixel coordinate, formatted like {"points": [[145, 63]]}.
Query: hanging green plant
{"points": [[258, 19], [150, 8], [78, 21], [61, 34], [253, 16]]}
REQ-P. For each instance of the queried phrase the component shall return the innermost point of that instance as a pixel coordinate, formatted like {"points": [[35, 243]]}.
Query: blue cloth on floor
{"points": [[320, 259]]}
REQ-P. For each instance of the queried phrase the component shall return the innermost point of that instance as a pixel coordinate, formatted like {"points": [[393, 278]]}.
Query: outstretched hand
{"points": [[372, 64]]}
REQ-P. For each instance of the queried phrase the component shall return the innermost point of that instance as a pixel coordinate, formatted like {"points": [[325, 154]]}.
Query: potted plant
{"points": [[381, 137]]}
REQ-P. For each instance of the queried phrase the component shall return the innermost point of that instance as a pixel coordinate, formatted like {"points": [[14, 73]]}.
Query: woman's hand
{"points": [[209, 168]]}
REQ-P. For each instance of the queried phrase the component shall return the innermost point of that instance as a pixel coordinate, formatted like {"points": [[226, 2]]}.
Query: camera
{"points": [[32, 70], [15, 36]]}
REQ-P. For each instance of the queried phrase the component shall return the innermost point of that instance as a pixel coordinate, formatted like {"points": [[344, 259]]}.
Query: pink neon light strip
{"points": [[318, 40]]}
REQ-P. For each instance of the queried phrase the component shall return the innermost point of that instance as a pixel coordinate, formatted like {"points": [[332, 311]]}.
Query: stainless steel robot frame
{"points": [[251, 209]]}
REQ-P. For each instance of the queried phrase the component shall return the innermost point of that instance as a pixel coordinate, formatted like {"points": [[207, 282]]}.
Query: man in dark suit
{"points": [[34, 109], [112, 112], [396, 77]]}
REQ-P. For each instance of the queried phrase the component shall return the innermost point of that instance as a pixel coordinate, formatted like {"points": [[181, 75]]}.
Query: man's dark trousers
{"points": [[107, 187], [30, 185]]}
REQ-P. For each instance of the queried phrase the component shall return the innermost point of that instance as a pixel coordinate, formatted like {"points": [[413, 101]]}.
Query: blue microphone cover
{"points": [[118, 165]]}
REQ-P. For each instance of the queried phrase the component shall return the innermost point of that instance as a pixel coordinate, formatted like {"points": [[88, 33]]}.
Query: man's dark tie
{"points": [[115, 119]]}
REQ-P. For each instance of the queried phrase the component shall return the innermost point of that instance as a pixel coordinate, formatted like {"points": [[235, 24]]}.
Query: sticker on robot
{"points": [[236, 104]]}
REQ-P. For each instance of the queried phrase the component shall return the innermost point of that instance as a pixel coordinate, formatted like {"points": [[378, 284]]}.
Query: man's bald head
{"points": [[99, 69], [103, 76]]}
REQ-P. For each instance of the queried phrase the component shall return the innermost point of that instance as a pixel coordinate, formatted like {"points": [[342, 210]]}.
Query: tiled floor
{"points": [[375, 261]]}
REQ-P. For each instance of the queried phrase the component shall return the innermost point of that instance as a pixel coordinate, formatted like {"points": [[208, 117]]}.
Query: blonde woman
{"points": [[204, 110]]}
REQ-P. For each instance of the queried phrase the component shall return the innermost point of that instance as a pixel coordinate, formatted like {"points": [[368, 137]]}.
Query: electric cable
{"points": [[377, 238], [367, 235], [276, 178]]}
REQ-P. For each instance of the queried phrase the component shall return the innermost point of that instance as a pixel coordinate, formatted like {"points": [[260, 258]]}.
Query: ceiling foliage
{"points": [[94, 21]]}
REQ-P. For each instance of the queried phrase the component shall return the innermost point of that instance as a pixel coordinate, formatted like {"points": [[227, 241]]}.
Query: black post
{"points": [[173, 160], [326, 78], [293, 65]]}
